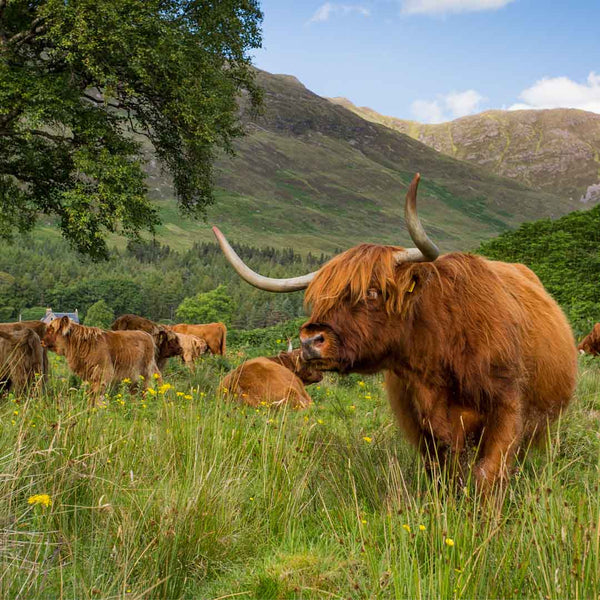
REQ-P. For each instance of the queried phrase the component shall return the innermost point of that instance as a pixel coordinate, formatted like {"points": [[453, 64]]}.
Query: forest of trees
{"points": [[147, 279], [152, 280]]}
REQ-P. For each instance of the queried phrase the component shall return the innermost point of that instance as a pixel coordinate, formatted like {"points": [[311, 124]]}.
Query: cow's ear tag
{"points": [[411, 287]]}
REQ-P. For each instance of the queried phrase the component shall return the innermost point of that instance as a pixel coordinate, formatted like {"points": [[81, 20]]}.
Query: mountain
{"points": [[315, 176], [555, 150]]}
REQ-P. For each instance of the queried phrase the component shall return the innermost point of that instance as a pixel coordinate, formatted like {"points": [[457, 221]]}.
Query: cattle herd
{"points": [[475, 352]]}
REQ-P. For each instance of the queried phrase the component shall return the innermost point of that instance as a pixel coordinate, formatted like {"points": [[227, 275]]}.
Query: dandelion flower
{"points": [[422, 528], [368, 439], [180, 394], [155, 376], [126, 380], [361, 383], [406, 527], [320, 421], [151, 391], [188, 397], [449, 542], [42, 499], [363, 521]]}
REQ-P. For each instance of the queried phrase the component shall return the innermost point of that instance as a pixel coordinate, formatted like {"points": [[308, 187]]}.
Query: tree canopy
{"points": [[84, 84]]}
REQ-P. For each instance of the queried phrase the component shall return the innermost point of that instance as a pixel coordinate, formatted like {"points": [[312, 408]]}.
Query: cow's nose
{"points": [[311, 347]]}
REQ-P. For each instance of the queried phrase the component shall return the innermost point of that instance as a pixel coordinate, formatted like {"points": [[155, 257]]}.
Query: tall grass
{"points": [[184, 495]]}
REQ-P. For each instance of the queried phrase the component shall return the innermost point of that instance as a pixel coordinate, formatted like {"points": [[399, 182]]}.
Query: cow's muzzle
{"points": [[311, 347]]}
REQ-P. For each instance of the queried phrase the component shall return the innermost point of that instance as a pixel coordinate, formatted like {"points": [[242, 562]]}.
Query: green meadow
{"points": [[181, 493]]}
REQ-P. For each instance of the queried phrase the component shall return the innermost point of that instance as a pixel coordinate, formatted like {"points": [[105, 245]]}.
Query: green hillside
{"points": [[315, 176], [555, 150]]}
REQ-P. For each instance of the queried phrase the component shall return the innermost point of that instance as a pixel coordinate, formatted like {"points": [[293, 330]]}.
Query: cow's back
{"points": [[215, 334], [261, 380]]}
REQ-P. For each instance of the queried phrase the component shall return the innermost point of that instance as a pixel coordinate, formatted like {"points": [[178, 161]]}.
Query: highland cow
{"points": [[192, 348], [292, 360], [215, 335], [39, 327], [590, 344], [103, 357], [166, 342], [470, 347], [21, 359]]}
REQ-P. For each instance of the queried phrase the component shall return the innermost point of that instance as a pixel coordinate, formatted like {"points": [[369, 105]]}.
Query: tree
{"points": [[208, 307], [84, 84], [99, 314]]}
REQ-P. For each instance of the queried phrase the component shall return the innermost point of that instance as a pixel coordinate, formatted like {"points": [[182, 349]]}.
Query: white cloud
{"points": [[327, 10], [441, 7], [562, 92], [448, 107]]}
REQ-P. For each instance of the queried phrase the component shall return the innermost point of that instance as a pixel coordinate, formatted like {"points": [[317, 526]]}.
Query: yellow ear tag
{"points": [[412, 286]]}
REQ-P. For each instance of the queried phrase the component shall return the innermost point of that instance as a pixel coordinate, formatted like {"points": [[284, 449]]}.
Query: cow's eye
{"points": [[372, 294]]}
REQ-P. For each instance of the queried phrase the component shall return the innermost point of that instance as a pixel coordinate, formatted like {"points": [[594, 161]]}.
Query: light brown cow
{"points": [[102, 357], [262, 380], [215, 334], [21, 359], [192, 348]]}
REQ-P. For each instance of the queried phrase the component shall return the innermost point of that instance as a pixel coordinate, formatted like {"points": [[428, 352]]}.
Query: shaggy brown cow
{"points": [[265, 380], [192, 348], [38, 326], [215, 334], [468, 345], [590, 344], [166, 341], [292, 360], [21, 358], [102, 357]]}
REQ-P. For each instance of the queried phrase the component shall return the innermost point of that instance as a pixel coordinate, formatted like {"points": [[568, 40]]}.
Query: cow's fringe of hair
{"points": [[350, 275]]}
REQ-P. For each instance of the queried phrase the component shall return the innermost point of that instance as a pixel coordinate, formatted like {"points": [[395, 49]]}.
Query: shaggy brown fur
{"points": [[462, 340], [39, 327], [590, 344], [166, 342], [21, 358], [293, 361], [215, 335], [102, 357], [263, 380], [192, 348]]}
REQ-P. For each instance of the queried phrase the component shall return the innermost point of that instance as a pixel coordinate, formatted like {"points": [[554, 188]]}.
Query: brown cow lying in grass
{"points": [[102, 357], [215, 335], [21, 359], [590, 344], [165, 340], [192, 348], [272, 380]]}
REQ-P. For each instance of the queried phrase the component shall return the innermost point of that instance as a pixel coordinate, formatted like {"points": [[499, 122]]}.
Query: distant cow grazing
{"points": [[215, 335], [21, 359], [102, 357], [192, 348], [471, 348], [590, 344], [264, 380], [167, 344]]}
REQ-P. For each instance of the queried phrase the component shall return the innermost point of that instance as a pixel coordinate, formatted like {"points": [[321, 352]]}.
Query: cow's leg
{"points": [[500, 440]]}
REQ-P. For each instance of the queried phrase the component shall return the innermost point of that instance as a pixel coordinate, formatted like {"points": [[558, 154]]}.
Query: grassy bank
{"points": [[180, 494]]}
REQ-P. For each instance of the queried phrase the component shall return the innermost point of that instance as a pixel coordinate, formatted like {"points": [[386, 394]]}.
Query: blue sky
{"points": [[434, 60]]}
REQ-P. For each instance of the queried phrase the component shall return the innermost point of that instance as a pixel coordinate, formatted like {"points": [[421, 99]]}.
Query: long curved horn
{"points": [[292, 284], [426, 250]]}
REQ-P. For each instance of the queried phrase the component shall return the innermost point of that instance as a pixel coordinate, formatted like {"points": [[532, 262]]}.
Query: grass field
{"points": [[181, 494]]}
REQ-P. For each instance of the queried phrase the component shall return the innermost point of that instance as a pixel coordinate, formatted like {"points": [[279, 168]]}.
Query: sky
{"points": [[436, 60]]}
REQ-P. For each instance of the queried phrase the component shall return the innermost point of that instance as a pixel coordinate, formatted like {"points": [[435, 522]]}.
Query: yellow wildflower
{"points": [[156, 376], [188, 396], [406, 527], [320, 421], [16, 412], [363, 521], [367, 439], [449, 542], [142, 378], [165, 387], [151, 391], [361, 383], [126, 380], [422, 527], [180, 394], [42, 499]]}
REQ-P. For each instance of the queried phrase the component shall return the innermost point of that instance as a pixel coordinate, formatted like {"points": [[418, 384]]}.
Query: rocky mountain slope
{"points": [[556, 150]]}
